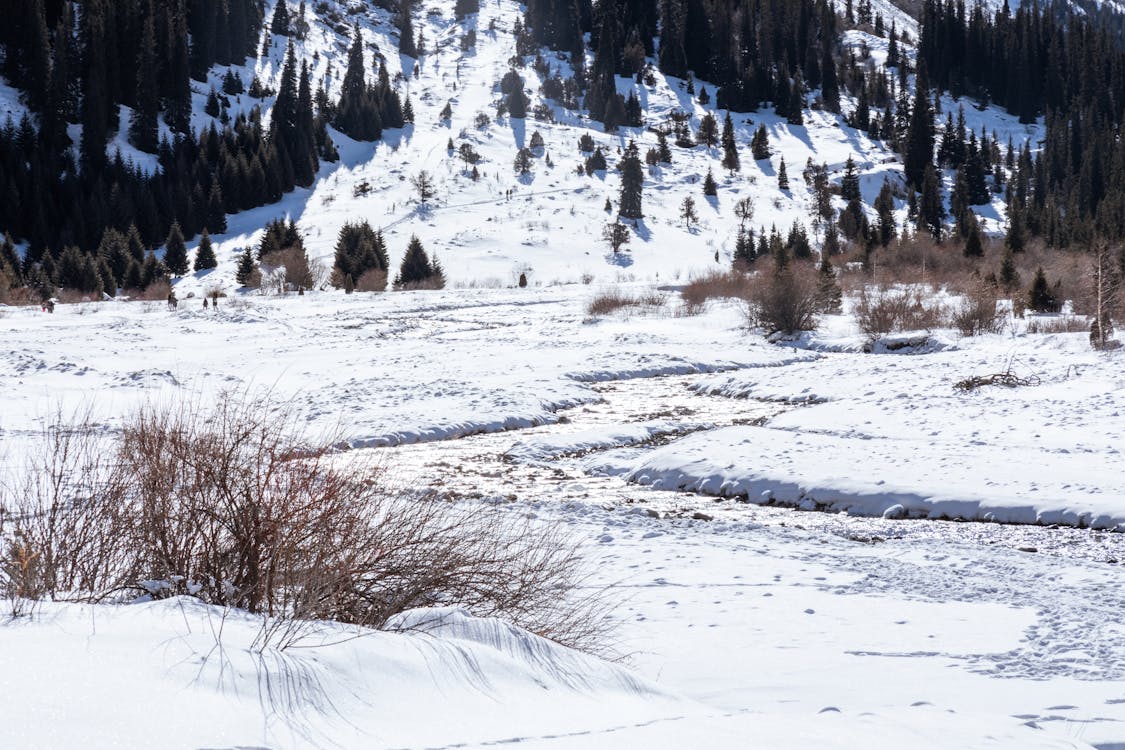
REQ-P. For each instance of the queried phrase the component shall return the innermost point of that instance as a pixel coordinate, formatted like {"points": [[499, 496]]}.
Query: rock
{"points": [[1028, 549], [701, 516]]}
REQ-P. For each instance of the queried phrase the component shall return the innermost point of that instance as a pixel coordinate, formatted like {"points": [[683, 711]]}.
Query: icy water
{"points": [[490, 466]]}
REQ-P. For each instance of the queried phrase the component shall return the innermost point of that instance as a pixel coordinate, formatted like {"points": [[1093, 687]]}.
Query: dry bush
{"points": [[978, 313], [431, 284], [612, 300], [879, 311], [299, 272], [783, 301], [61, 517], [372, 280], [236, 506], [715, 285], [1058, 324], [157, 291]]}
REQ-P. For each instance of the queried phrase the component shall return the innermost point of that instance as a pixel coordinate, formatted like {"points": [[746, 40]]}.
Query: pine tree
{"points": [[708, 130], [406, 41], [1039, 297], [175, 251], [730, 161], [205, 255], [632, 182], [760, 144], [931, 208], [96, 94], [884, 207], [782, 176], [1009, 277], [688, 213], [417, 270], [829, 296], [919, 152], [709, 186], [247, 267], [974, 247], [279, 24]]}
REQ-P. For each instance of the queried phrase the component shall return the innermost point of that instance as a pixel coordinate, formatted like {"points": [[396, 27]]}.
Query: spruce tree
{"points": [[406, 40], [205, 255], [279, 24], [416, 269], [884, 207], [710, 188], [730, 161], [143, 128], [632, 182], [829, 296], [175, 251], [974, 247], [931, 208], [782, 176], [919, 151], [760, 144], [246, 267]]}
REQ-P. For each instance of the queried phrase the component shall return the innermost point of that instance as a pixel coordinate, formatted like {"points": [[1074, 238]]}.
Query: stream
{"points": [[484, 466]]}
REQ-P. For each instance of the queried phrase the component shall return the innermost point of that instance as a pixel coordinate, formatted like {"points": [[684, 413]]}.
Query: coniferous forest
{"points": [[124, 69]]}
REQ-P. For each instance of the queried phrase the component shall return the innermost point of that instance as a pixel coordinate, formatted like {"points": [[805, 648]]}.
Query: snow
{"points": [[752, 625]]}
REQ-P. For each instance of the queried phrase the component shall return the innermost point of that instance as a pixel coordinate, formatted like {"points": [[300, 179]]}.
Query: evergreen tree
{"points": [[710, 188], [247, 267], [708, 130], [632, 181], [829, 296], [919, 151], [417, 270], [884, 207], [143, 128], [974, 247], [406, 42], [205, 255], [730, 161], [760, 144], [931, 209], [175, 252], [782, 176], [279, 24], [1039, 297]]}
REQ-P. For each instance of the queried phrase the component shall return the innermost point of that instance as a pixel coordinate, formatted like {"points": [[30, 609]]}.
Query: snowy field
{"points": [[681, 450], [778, 633]]}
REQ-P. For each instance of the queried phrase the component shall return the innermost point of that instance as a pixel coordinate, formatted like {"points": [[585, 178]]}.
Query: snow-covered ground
{"points": [[737, 630], [749, 626]]}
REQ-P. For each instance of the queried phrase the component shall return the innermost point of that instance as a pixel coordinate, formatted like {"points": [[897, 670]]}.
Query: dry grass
{"points": [[612, 300]]}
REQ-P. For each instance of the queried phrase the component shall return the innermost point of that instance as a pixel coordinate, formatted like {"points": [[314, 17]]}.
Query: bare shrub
{"points": [[879, 311], [238, 507], [157, 291], [978, 313], [299, 272], [61, 517], [784, 301], [1057, 324], [715, 285], [372, 280], [612, 300]]}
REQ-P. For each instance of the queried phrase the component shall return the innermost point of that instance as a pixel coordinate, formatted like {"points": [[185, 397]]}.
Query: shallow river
{"points": [[479, 466]]}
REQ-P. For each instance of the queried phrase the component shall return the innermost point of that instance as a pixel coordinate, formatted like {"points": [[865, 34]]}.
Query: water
{"points": [[479, 466]]}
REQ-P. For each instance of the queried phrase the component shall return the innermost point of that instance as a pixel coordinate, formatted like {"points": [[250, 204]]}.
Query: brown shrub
{"points": [[372, 280], [236, 506], [783, 301], [715, 285], [612, 300], [978, 313], [879, 311]]}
